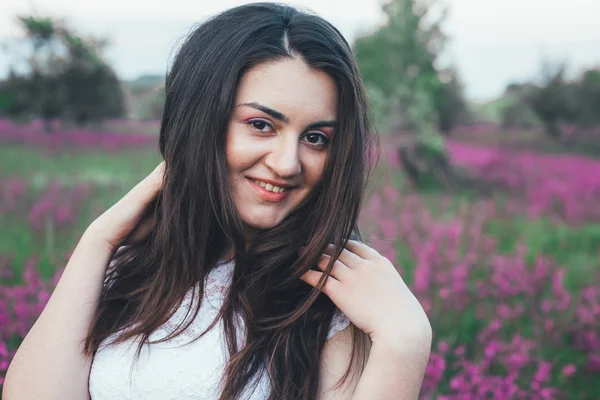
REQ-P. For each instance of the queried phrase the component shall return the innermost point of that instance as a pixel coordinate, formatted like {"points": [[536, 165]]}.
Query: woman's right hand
{"points": [[120, 224]]}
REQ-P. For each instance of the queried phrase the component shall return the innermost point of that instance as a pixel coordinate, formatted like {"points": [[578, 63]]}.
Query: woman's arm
{"points": [[49, 364], [394, 372], [391, 372], [368, 289]]}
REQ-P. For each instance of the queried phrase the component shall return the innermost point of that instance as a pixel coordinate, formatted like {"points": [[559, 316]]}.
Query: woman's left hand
{"points": [[368, 289]]}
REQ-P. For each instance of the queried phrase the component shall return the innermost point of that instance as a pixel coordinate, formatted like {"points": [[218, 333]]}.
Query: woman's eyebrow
{"points": [[283, 118]]}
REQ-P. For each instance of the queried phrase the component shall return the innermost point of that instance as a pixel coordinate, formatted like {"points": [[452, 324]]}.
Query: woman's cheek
{"points": [[315, 165]]}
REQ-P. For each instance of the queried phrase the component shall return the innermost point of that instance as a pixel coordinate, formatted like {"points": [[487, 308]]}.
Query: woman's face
{"points": [[278, 139]]}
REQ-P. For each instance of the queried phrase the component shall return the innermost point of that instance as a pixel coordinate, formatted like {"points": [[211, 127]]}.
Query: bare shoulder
{"points": [[336, 358]]}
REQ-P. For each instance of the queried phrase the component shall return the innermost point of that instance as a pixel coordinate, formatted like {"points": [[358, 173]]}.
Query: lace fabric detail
{"points": [[179, 368], [338, 323]]}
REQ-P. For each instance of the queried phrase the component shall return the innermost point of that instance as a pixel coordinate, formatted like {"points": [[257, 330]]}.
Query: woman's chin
{"points": [[261, 223]]}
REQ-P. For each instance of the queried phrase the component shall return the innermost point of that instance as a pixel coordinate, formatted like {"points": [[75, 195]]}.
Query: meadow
{"points": [[510, 280]]}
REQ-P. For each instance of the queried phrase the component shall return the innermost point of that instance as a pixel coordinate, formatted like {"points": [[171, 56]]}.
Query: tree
{"points": [[15, 93], [65, 77], [556, 102], [399, 61], [449, 101], [45, 97], [515, 112], [588, 89]]}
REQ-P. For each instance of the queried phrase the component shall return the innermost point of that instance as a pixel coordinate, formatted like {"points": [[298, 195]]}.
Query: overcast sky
{"points": [[492, 42]]}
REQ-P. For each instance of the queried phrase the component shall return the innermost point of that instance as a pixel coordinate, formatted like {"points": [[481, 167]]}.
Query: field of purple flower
{"points": [[511, 283]]}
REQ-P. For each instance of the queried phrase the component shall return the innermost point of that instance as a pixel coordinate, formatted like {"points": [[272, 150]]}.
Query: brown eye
{"points": [[258, 124], [317, 139]]}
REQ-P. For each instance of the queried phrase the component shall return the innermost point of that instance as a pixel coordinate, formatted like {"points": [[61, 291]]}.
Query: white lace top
{"points": [[177, 369]]}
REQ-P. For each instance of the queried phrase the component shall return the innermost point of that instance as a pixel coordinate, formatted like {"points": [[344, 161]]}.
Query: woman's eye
{"points": [[258, 124], [317, 139]]}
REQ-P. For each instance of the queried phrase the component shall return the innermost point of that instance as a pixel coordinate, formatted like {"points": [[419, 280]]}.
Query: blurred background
{"points": [[486, 196]]}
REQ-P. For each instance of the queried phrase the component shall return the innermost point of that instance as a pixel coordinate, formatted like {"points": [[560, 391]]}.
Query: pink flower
{"points": [[569, 370]]}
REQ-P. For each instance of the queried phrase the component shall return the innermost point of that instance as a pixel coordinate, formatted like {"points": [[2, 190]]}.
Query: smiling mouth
{"points": [[270, 187], [267, 192]]}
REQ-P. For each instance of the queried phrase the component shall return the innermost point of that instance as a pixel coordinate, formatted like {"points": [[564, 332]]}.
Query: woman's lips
{"points": [[266, 195]]}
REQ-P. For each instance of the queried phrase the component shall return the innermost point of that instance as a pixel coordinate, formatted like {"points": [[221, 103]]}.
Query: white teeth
{"points": [[270, 187]]}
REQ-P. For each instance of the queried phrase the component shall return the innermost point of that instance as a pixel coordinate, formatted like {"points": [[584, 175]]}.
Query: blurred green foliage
{"points": [[66, 78], [568, 109], [398, 65], [399, 61]]}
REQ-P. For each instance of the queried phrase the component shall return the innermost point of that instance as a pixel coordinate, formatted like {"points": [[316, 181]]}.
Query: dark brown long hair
{"points": [[286, 320]]}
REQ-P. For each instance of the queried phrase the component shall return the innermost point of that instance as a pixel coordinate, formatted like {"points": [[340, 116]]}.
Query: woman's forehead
{"points": [[290, 87]]}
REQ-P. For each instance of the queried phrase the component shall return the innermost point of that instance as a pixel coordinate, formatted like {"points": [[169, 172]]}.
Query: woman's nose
{"points": [[284, 158]]}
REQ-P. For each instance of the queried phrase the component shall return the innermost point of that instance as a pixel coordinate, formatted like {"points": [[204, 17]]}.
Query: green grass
{"points": [[575, 248], [110, 176], [72, 167]]}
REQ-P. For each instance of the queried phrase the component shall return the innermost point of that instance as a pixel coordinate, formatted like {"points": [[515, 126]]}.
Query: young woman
{"points": [[232, 265]]}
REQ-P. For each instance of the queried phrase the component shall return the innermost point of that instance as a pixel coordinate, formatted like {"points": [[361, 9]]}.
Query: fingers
{"points": [[145, 190], [354, 255], [155, 181], [347, 257], [158, 174], [339, 270], [329, 288], [362, 250], [124, 218]]}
